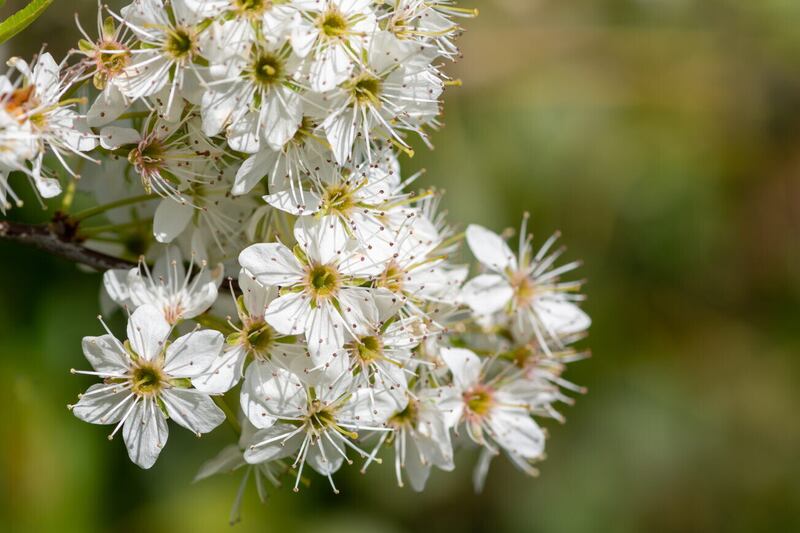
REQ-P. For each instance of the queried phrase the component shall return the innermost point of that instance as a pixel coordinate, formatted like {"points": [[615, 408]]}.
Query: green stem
{"points": [[94, 230], [230, 416], [97, 210]]}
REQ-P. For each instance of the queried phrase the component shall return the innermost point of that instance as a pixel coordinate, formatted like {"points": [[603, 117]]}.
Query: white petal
{"points": [[192, 354], [324, 458], [257, 453], [490, 249], [103, 403], [108, 105], [171, 219], [561, 317], [274, 391], [253, 170], [192, 409], [105, 354], [295, 202], [517, 432], [465, 366], [224, 373], [322, 239], [227, 460], [147, 331], [145, 433], [271, 264], [115, 283], [289, 313], [487, 293]]}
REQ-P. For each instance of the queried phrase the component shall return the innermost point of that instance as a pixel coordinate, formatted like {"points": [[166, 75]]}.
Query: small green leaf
{"points": [[22, 18]]}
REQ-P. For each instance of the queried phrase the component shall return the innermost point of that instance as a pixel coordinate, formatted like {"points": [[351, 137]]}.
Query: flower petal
{"points": [[192, 409], [490, 249], [147, 331], [145, 433], [192, 354]]}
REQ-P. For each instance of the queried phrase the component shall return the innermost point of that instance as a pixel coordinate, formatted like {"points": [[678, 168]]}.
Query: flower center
{"points": [[479, 400], [366, 88], [339, 197], [267, 69], [405, 418], [19, 101], [322, 281], [260, 340], [253, 7], [173, 313], [332, 23], [180, 44], [321, 416], [368, 349], [148, 379], [524, 289], [111, 58], [392, 278]]}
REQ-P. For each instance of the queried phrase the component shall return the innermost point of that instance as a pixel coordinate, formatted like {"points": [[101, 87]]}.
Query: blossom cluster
{"points": [[260, 139]]}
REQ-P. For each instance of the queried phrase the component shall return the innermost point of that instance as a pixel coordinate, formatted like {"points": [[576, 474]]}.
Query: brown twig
{"points": [[54, 239]]}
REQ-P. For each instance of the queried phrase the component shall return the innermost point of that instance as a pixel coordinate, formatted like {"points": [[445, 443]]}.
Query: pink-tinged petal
{"points": [[490, 249]]}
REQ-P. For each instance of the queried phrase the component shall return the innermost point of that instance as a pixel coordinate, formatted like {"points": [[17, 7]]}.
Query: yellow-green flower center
{"points": [[332, 23], [366, 88], [267, 69], [181, 43], [322, 281], [479, 400], [148, 379]]}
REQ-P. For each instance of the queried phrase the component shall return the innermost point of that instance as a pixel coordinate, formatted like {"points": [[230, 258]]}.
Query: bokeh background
{"points": [[663, 138]]}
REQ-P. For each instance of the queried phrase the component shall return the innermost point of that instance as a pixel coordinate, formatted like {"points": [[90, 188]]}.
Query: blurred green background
{"points": [[663, 138]]}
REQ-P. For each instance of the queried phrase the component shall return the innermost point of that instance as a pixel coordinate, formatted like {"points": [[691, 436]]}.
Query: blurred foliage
{"points": [[663, 138]]}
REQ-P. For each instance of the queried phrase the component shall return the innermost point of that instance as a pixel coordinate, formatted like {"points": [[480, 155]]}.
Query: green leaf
{"points": [[22, 19]]}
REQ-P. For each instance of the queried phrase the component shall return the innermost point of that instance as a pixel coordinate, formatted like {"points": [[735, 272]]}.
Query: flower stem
{"points": [[92, 211]]}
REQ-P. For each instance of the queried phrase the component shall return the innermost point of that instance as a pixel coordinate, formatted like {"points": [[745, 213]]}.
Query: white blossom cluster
{"points": [[260, 138]]}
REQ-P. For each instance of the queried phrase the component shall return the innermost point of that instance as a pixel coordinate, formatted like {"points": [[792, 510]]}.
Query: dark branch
{"points": [[45, 238]]}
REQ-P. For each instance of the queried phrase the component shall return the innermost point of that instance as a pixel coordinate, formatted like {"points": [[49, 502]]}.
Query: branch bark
{"points": [[44, 237]]}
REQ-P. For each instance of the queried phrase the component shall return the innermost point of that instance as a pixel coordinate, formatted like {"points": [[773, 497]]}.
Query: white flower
{"points": [[105, 61], [421, 436], [254, 339], [321, 295], [147, 380], [167, 287], [527, 288], [331, 34], [316, 425], [258, 102], [381, 100], [35, 102], [492, 414], [168, 156], [169, 45], [366, 202]]}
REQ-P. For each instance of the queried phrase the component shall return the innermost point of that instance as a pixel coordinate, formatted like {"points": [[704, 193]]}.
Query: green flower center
{"points": [[333, 24], [392, 278], [368, 349], [148, 379], [267, 70], [321, 417], [478, 400], [339, 198], [322, 281], [111, 58], [405, 418], [366, 88], [180, 43]]}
